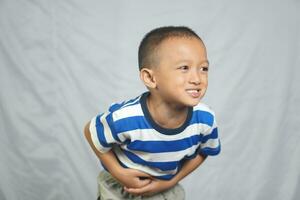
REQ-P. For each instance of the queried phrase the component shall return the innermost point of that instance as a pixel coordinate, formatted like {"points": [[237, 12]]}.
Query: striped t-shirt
{"points": [[140, 143]]}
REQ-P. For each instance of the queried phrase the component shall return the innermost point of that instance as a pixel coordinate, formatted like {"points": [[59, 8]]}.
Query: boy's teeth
{"points": [[192, 91]]}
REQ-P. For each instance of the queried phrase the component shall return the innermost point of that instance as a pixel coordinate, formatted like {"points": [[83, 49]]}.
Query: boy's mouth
{"points": [[194, 92]]}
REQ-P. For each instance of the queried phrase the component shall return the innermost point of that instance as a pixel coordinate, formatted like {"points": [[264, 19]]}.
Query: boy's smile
{"points": [[181, 73]]}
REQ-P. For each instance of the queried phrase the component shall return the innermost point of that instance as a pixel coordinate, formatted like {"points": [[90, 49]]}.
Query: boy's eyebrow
{"points": [[204, 61]]}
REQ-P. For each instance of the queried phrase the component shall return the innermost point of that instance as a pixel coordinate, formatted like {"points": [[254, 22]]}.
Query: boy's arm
{"points": [[127, 177], [188, 167], [157, 185]]}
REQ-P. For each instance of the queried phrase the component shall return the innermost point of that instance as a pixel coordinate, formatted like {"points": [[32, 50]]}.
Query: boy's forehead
{"points": [[182, 49], [176, 43], [182, 39]]}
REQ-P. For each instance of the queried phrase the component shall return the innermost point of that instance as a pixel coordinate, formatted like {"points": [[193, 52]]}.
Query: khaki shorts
{"points": [[110, 189]]}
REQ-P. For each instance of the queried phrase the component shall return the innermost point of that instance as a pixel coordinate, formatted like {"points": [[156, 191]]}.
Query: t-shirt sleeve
{"points": [[210, 144], [102, 132]]}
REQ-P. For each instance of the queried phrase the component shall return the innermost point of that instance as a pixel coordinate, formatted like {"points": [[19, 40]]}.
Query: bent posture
{"points": [[149, 143]]}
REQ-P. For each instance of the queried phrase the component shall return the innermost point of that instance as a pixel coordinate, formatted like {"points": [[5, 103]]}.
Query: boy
{"points": [[148, 144]]}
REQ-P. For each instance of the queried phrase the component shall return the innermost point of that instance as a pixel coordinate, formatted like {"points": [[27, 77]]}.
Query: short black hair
{"points": [[154, 38]]}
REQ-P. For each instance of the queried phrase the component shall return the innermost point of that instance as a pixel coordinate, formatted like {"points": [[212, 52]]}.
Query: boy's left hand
{"points": [[155, 186]]}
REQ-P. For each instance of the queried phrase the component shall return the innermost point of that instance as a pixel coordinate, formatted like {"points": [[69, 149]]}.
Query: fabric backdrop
{"points": [[62, 62]]}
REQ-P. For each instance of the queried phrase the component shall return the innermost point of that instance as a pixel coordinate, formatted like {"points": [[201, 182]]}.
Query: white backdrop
{"points": [[62, 62]]}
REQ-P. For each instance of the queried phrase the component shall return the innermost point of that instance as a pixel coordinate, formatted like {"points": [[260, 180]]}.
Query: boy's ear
{"points": [[147, 77]]}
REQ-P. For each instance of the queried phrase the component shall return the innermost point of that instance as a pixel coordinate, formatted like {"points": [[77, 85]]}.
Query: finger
{"points": [[137, 194], [144, 182], [139, 191], [141, 174]]}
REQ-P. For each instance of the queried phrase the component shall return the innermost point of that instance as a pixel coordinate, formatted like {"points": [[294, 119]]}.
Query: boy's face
{"points": [[182, 72]]}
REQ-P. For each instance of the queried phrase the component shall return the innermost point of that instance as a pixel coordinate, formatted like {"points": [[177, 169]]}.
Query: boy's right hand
{"points": [[132, 178]]}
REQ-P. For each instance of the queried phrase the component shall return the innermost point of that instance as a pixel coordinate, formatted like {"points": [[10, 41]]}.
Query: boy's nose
{"points": [[195, 78]]}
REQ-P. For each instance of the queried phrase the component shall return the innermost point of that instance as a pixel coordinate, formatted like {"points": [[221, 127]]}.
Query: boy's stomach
{"points": [[164, 169]]}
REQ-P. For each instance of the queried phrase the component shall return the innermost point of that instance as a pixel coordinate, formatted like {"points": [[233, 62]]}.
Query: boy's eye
{"points": [[184, 67], [204, 69]]}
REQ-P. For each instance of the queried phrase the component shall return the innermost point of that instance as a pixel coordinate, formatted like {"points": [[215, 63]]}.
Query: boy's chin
{"points": [[188, 102], [192, 103]]}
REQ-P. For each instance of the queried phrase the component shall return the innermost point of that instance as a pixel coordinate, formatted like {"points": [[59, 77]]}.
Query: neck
{"points": [[166, 114]]}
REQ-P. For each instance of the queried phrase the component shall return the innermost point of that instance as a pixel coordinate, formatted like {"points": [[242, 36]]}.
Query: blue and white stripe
{"points": [[141, 147]]}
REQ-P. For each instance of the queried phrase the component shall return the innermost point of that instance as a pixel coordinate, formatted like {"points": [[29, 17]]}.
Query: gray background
{"points": [[62, 62]]}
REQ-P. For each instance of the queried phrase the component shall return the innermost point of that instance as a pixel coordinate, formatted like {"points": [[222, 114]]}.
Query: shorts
{"points": [[110, 189]]}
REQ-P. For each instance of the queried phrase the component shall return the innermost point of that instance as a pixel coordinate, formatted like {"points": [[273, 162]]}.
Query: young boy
{"points": [[148, 144]]}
